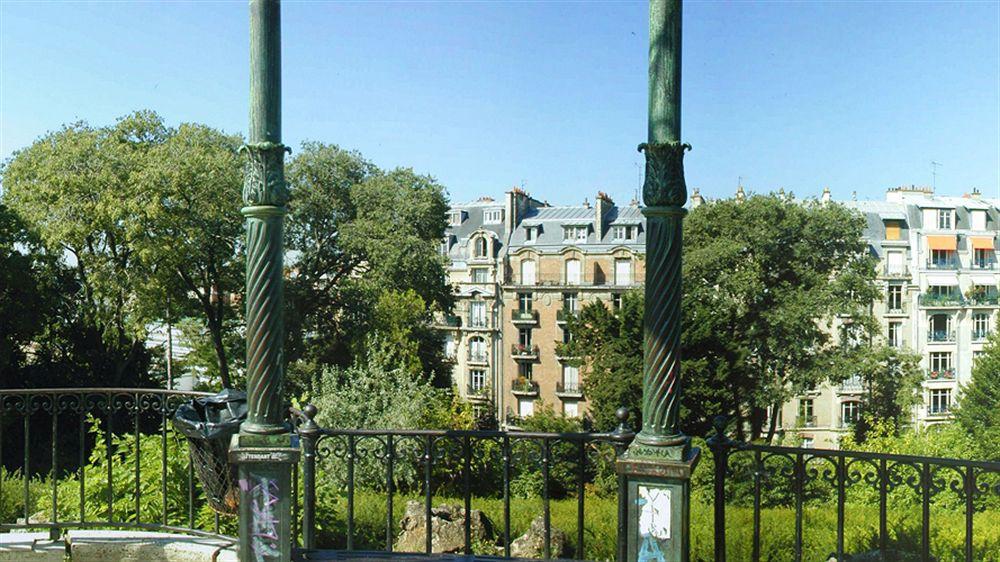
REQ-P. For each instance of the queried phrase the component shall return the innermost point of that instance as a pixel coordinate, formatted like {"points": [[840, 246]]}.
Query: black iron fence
{"points": [[99, 458], [762, 477], [466, 465]]}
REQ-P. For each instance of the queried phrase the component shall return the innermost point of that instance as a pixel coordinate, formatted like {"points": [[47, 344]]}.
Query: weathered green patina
{"points": [[264, 449], [657, 466]]}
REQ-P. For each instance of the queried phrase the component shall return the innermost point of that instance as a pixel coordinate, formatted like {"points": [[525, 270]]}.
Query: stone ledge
{"points": [[114, 546]]}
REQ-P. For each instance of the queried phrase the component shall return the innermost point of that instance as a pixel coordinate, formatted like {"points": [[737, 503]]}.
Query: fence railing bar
{"points": [[82, 460], [546, 515], [758, 474], [841, 499], [467, 490], [580, 477], [108, 447], [163, 457], [55, 462], [428, 470], [27, 460], [925, 519], [138, 464], [351, 453], [970, 494], [799, 480], [389, 490], [506, 495], [883, 500]]}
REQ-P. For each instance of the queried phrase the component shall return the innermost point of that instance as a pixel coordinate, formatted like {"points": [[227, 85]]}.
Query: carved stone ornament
{"points": [[664, 185], [264, 180]]}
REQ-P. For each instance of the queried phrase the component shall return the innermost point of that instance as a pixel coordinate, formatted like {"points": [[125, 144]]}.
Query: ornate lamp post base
{"points": [[265, 479]]}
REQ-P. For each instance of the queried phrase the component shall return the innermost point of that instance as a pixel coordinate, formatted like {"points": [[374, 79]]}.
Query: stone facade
{"points": [[540, 263], [938, 274]]}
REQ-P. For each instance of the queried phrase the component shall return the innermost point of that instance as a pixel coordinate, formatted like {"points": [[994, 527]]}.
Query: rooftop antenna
{"points": [[934, 167]]}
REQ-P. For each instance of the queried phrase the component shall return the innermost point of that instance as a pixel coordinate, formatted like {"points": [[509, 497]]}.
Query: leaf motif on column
{"points": [[664, 185], [264, 174]]}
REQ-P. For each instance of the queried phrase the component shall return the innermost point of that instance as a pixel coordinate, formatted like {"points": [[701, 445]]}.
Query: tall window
{"points": [[850, 412], [524, 302], [892, 230], [477, 314], [616, 301], [623, 272], [894, 297], [940, 401], [571, 409], [525, 407], [477, 379], [456, 217], [480, 247], [571, 378], [894, 263], [524, 371], [806, 417], [944, 219], [983, 258], [943, 258], [980, 326], [530, 233], [480, 275], [939, 328], [978, 219], [571, 301], [940, 361], [477, 349], [572, 272], [528, 272], [524, 337], [895, 334]]}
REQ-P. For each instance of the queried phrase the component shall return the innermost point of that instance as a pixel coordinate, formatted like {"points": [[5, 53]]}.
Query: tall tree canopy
{"points": [[763, 279], [979, 406]]}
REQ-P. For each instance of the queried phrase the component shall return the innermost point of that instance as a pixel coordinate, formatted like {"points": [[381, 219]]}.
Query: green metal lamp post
{"points": [[657, 466], [264, 448]]}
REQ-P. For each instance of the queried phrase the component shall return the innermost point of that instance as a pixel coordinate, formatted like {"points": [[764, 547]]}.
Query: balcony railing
{"points": [[451, 321], [524, 316], [980, 335], [896, 308], [805, 421], [984, 265], [943, 264], [519, 351], [941, 336], [852, 384], [524, 386], [941, 374], [478, 322], [563, 314], [569, 388], [983, 299], [895, 271], [477, 391], [931, 299], [478, 357], [939, 410]]}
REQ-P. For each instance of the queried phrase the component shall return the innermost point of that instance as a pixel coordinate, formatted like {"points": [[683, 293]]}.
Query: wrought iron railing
{"points": [[528, 316], [941, 335], [796, 477], [466, 465], [49, 436], [941, 299]]}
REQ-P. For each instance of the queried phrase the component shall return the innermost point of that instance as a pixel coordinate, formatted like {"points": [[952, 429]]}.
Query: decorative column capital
{"points": [[664, 185], [264, 177]]}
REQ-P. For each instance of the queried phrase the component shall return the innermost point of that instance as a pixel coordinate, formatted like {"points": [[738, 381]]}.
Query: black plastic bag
{"points": [[209, 422]]}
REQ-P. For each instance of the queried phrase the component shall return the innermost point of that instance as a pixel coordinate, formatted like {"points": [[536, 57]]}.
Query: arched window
{"points": [[477, 349], [480, 248]]}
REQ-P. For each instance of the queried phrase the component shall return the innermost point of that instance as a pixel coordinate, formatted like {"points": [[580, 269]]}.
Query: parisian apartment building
{"points": [[520, 266], [938, 276]]}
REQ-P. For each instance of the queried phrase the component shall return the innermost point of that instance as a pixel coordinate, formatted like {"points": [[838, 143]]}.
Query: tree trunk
{"points": [[215, 328], [773, 423]]}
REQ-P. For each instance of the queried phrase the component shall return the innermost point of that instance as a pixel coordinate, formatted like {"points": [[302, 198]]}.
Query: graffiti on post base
{"points": [[263, 493], [654, 522]]}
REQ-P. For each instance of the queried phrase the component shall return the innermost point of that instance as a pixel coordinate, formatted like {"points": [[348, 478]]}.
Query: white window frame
{"points": [[941, 361], [477, 379], [981, 323], [619, 281], [493, 216], [530, 233], [477, 314], [528, 272], [850, 409], [574, 277], [525, 407], [571, 409], [945, 219], [939, 401], [894, 334]]}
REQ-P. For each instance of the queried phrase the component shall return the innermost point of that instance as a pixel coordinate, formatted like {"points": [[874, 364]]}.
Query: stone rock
{"points": [[447, 528], [532, 543]]}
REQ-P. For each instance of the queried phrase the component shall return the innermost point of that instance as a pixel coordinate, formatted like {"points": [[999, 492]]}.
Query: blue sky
{"points": [[484, 96]]}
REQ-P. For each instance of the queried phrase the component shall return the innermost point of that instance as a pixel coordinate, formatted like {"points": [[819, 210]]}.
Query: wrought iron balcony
{"points": [[478, 357], [518, 316], [941, 336], [564, 313], [451, 321], [896, 308], [931, 299], [478, 322], [526, 352], [852, 384], [805, 421], [980, 335], [984, 265], [939, 410], [983, 299], [480, 392], [895, 271], [524, 387], [569, 389], [941, 374], [944, 264]]}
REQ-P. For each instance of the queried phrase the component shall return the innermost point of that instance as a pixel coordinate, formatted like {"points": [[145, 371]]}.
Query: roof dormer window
{"points": [[455, 218], [493, 216], [530, 233], [978, 218], [623, 233], [575, 233], [945, 219], [479, 247]]}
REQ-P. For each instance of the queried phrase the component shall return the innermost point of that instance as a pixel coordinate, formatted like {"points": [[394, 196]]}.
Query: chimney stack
{"points": [[602, 204], [740, 195], [826, 195]]}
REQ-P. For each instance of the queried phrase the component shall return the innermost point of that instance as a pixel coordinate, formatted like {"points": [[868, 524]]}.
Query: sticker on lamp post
{"points": [[654, 522]]}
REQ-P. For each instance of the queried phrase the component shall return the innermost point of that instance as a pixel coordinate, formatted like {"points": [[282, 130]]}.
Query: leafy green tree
{"points": [[891, 379], [75, 188], [763, 278], [979, 405], [606, 342], [365, 262], [192, 234]]}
